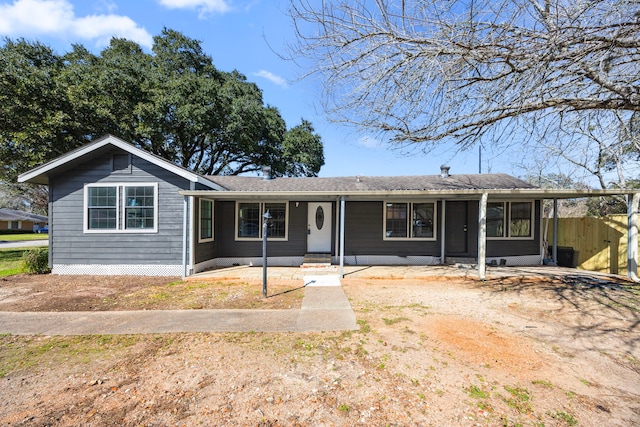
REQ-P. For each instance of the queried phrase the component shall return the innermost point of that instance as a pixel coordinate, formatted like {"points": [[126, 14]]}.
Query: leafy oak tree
{"points": [[172, 102]]}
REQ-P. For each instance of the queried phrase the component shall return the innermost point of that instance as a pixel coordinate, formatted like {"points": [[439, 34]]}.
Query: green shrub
{"points": [[36, 261]]}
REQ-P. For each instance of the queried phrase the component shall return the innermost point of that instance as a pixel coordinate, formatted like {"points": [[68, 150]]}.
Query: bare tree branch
{"points": [[434, 71]]}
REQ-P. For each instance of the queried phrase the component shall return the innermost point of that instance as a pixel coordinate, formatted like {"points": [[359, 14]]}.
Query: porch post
{"points": [[443, 248], [482, 237], [632, 236], [555, 232], [342, 207], [185, 209]]}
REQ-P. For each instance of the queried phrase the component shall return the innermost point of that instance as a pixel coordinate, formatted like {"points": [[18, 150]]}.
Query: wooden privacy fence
{"points": [[599, 244]]}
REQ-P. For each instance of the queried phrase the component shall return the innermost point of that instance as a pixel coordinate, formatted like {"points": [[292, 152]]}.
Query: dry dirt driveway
{"points": [[437, 351]]}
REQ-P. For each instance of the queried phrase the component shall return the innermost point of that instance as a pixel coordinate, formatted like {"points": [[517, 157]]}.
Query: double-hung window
{"points": [[112, 208], [249, 220], [404, 220], [511, 220], [206, 220]]}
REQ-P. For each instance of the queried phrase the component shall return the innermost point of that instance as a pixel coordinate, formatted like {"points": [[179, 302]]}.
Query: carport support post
{"points": [[265, 228], [443, 228], [342, 206], [555, 232], [482, 237], [632, 236]]}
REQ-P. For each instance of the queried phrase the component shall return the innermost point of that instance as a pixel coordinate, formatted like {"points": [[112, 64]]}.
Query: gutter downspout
{"points": [[185, 208], [482, 237], [342, 208], [632, 236], [192, 231], [443, 216], [50, 223]]}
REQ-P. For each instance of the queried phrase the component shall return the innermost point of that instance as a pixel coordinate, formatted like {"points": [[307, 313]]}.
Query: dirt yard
{"points": [[430, 352]]}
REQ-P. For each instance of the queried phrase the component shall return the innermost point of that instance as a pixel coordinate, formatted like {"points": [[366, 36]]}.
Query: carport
{"points": [[633, 199]]}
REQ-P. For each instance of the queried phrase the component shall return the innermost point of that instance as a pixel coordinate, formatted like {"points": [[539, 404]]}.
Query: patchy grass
{"points": [[394, 320], [210, 295], [477, 392], [569, 419], [519, 399], [20, 353]]}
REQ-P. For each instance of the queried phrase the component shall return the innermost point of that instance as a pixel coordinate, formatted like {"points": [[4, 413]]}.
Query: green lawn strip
{"points": [[23, 237], [11, 261]]}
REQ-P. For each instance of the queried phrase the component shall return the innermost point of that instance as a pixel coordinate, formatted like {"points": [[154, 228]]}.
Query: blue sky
{"points": [[241, 35]]}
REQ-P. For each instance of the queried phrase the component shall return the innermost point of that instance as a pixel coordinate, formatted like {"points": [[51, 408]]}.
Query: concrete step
{"points": [[316, 260]]}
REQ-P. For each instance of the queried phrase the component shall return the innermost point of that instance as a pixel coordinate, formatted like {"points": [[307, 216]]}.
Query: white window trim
{"points": [[261, 221], [208, 239], [121, 197], [507, 219], [18, 223], [409, 238]]}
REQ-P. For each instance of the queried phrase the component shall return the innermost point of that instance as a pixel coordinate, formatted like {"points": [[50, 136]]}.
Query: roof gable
{"points": [[40, 174]]}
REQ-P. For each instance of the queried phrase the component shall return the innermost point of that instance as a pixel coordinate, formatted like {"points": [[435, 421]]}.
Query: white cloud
{"points": [[107, 5], [39, 16], [102, 27], [272, 78], [56, 18], [203, 6], [369, 142]]}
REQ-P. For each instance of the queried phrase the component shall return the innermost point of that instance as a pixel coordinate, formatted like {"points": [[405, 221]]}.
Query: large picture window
{"points": [[403, 220], [206, 220], [121, 208], [518, 216], [249, 220]]}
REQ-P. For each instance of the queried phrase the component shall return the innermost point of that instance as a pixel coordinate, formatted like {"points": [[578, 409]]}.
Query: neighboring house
{"points": [[116, 209], [18, 220]]}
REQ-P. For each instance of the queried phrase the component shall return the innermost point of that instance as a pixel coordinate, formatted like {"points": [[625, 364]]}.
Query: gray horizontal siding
{"points": [[364, 222], [70, 245], [503, 247], [227, 246], [496, 248], [207, 250]]}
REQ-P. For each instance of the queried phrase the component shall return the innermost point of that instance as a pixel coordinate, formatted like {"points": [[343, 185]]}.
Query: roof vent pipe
{"points": [[266, 173], [444, 171]]}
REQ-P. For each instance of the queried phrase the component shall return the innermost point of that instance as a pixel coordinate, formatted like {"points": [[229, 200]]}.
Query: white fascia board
{"points": [[501, 194], [123, 145]]}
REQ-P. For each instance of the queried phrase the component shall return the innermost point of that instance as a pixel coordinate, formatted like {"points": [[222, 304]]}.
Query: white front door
{"points": [[319, 228]]}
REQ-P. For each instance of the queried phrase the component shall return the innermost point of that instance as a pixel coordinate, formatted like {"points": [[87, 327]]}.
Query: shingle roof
{"points": [[13, 215], [372, 183]]}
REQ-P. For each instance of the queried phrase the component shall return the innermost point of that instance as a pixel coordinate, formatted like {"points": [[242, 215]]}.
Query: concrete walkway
{"points": [[7, 244], [324, 308]]}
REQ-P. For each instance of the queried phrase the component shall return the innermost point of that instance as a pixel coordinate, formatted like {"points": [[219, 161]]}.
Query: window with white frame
{"points": [[131, 208], [404, 220], [249, 220], [517, 215], [14, 225], [206, 220]]}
